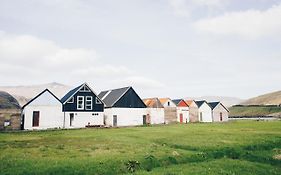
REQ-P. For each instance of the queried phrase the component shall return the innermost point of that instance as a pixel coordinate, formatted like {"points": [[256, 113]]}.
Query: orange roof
{"points": [[164, 100], [188, 102], [152, 103]]}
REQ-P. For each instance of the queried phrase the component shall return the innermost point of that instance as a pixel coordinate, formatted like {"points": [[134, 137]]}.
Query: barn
{"points": [[182, 111], [82, 108], [170, 110], [220, 112], [44, 111], [123, 107], [154, 111], [204, 111]]}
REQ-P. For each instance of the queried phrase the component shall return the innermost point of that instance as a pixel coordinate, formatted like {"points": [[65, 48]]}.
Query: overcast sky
{"points": [[175, 48]]}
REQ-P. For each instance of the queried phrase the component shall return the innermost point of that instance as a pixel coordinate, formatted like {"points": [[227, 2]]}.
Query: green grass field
{"points": [[239, 147], [253, 110]]}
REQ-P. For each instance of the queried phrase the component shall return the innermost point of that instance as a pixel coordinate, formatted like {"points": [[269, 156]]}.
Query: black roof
{"points": [[39, 95], [70, 93], [177, 101], [213, 104], [199, 103], [112, 96]]}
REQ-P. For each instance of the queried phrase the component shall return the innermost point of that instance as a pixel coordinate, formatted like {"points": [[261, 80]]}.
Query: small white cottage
{"points": [[220, 112], [154, 111], [42, 112], [182, 111], [123, 107], [205, 111]]}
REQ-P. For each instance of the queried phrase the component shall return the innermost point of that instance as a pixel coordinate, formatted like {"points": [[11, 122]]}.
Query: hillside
{"points": [[24, 93], [273, 98], [227, 101], [7, 101]]}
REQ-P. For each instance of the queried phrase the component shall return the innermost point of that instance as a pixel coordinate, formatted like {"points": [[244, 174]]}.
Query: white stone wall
{"points": [[125, 116], [185, 112], [82, 119], [206, 111], [157, 115], [216, 113]]}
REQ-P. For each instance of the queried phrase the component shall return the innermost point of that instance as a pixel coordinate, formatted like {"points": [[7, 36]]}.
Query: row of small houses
{"points": [[82, 107]]}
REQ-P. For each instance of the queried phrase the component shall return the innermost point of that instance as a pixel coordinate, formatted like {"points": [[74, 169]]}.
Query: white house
{"points": [[170, 110], [123, 107], [82, 108], [219, 112], [205, 111], [182, 111], [154, 111], [42, 112]]}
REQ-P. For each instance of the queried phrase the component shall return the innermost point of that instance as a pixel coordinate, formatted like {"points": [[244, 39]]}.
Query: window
{"points": [[168, 103], [85, 89], [98, 101], [35, 120], [80, 102], [89, 102], [71, 100]]}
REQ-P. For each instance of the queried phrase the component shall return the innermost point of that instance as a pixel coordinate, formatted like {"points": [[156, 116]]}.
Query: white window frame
{"points": [[71, 100], [83, 89], [89, 99], [83, 103], [98, 101]]}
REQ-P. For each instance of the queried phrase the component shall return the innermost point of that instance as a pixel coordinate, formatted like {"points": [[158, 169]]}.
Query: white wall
{"points": [[50, 112], [185, 112], [82, 119], [125, 116], [206, 111], [157, 115], [216, 113], [169, 103]]}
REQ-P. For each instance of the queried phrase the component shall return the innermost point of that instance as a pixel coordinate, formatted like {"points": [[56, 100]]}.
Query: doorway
{"points": [[114, 120], [71, 119], [181, 118], [144, 120], [221, 116]]}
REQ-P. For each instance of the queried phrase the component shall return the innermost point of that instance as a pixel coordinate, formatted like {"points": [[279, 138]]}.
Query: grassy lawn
{"points": [[253, 110], [238, 147]]}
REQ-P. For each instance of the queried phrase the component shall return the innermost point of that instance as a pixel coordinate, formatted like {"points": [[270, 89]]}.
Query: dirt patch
{"points": [[277, 157]]}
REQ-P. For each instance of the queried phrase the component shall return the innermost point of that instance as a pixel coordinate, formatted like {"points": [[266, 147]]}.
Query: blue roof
{"points": [[200, 103], [70, 93], [177, 101], [214, 104]]}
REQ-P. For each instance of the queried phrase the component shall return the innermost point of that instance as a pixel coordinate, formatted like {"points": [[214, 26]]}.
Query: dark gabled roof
{"points": [[200, 103], [40, 95], [177, 101], [110, 97], [213, 104], [71, 93]]}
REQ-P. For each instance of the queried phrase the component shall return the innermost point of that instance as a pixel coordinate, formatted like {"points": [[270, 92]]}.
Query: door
{"points": [[220, 116], [35, 121], [201, 117], [71, 119], [114, 120], [144, 119], [181, 118]]}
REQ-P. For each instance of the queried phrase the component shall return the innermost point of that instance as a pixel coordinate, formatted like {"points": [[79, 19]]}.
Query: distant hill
{"points": [[7, 101], [24, 93], [273, 98], [227, 101]]}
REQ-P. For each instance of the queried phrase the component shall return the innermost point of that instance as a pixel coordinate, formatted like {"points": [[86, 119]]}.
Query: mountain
{"points": [[226, 101], [24, 93], [7, 101], [273, 98]]}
